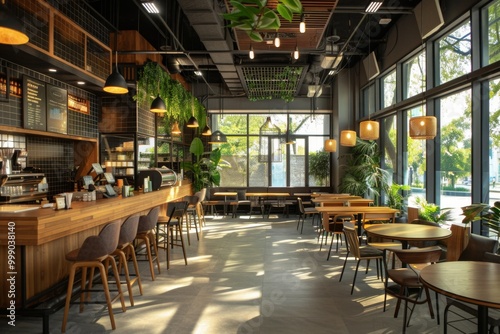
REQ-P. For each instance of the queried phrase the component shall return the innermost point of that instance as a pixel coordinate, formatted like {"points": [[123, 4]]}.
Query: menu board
{"points": [[57, 109], [34, 104]]}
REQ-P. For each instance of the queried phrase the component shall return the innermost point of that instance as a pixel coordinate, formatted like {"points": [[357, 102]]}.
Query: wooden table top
{"points": [[268, 194], [326, 199], [468, 281], [225, 193], [316, 195], [407, 232], [356, 209]]}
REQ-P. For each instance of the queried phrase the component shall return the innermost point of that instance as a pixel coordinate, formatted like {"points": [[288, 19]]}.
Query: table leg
{"points": [[482, 319]]}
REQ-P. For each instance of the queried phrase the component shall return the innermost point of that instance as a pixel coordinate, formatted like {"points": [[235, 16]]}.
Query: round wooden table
{"points": [[407, 232], [468, 281]]}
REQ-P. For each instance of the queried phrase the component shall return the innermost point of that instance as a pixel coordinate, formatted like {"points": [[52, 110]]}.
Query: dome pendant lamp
{"points": [[348, 138], [330, 145], [115, 83], [11, 29], [369, 130], [158, 105]]}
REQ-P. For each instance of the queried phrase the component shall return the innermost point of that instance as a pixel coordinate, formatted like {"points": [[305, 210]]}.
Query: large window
{"points": [[455, 53], [368, 100], [455, 150], [414, 76], [491, 41], [272, 159]]}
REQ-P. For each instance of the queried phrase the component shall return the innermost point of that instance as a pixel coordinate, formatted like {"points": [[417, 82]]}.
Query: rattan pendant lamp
{"points": [[348, 137]]}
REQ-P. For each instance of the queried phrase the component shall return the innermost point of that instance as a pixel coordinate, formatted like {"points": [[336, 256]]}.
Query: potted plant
{"points": [[432, 212], [396, 199], [205, 169], [492, 219]]}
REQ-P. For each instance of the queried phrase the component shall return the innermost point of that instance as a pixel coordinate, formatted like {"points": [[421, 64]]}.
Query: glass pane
{"points": [[455, 151], [258, 171], [414, 76], [230, 123], [455, 54], [310, 125], [236, 155], [416, 174], [390, 141], [319, 162], [389, 89], [493, 42], [494, 149], [298, 163], [368, 100]]}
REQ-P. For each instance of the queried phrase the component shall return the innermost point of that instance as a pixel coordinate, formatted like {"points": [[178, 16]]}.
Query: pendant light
{"points": [[302, 25], [277, 41], [251, 54], [11, 29], [423, 127], [206, 130], [348, 137], [330, 145], [217, 136], [192, 122], [115, 83], [175, 129], [158, 105], [296, 53], [369, 130]]}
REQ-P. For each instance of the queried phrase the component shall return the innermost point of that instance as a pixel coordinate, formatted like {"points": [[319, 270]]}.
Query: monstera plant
{"points": [[254, 15]]}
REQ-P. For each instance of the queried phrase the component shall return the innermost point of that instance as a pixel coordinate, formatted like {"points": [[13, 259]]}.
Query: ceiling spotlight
{"points": [[150, 7], [302, 25], [373, 6]]}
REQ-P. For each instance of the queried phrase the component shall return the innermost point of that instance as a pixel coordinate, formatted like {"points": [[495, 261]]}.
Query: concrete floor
{"points": [[248, 276]]}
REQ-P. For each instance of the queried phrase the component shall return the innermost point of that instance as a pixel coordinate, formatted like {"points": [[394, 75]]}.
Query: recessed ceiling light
{"points": [[80, 82], [53, 70], [198, 73], [384, 21]]}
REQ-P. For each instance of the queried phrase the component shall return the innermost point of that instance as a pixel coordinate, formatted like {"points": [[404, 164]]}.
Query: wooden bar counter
{"points": [[44, 236]]}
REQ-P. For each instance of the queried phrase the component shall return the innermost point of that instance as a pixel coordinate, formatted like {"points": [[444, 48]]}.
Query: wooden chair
{"points": [[125, 250], [407, 283], [191, 213], [95, 252], [333, 225], [359, 252], [201, 212], [146, 234], [304, 212]]}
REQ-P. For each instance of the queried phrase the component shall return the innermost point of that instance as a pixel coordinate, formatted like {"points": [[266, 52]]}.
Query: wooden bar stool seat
{"points": [[126, 250], [146, 234], [95, 252], [167, 225]]}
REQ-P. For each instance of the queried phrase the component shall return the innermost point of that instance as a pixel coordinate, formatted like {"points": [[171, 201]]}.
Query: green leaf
{"points": [[294, 5], [285, 12], [254, 36], [196, 147]]}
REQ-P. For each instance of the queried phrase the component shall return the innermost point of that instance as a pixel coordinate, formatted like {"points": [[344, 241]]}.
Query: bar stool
{"points": [[126, 250], [201, 212], [192, 212], [94, 251], [146, 233], [166, 226]]}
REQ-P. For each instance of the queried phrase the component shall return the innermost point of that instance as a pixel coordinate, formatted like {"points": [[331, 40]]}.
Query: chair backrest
{"points": [[191, 200], [148, 222], [105, 243], [334, 222], [418, 255], [201, 194], [476, 248], [301, 205], [379, 217], [355, 203], [351, 235], [128, 230], [176, 210], [339, 203]]}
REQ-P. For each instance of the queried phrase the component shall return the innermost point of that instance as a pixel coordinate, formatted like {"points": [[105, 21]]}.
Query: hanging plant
{"points": [[253, 15], [154, 81]]}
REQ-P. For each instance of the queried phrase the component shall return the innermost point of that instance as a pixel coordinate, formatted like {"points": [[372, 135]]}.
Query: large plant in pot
{"points": [[362, 173], [397, 199], [205, 168]]}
